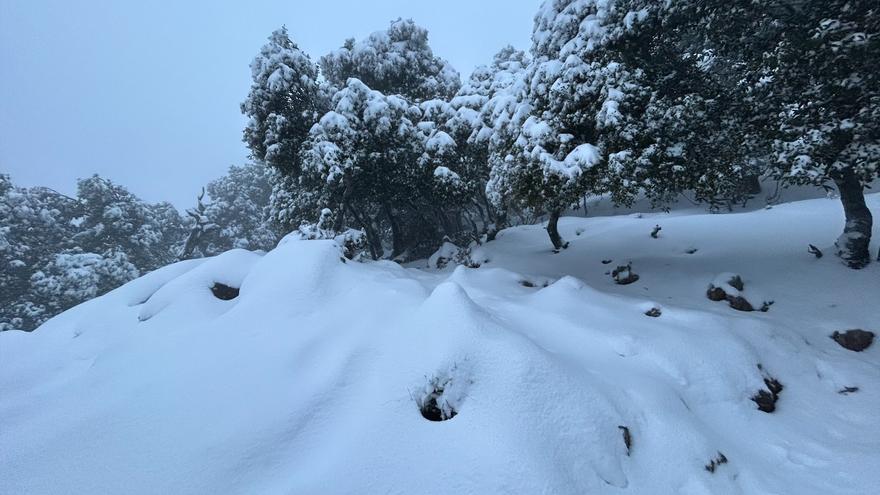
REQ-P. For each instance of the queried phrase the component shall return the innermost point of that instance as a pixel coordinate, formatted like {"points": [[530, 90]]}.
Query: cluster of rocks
{"points": [[730, 287]]}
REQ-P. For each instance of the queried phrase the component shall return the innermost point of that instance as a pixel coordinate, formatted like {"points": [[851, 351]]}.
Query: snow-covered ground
{"points": [[309, 381]]}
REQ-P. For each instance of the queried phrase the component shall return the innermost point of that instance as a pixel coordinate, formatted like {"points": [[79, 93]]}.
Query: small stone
{"points": [[740, 303], [653, 312], [716, 293], [856, 340], [737, 283]]}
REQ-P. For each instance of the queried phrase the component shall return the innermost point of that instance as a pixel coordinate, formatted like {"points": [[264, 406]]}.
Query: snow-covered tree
{"points": [[365, 152], [34, 224], [398, 60], [112, 219], [612, 103], [74, 276], [285, 101], [804, 92]]}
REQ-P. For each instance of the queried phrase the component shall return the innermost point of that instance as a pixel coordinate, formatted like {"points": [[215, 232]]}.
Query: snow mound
{"points": [[315, 378]]}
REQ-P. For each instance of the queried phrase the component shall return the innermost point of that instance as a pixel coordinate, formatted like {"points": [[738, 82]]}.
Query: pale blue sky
{"points": [[147, 93]]}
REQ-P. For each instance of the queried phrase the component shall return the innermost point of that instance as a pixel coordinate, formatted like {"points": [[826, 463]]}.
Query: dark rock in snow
{"points": [[737, 283], [605, 262], [655, 233], [766, 399], [653, 312], [814, 251], [740, 303], [716, 293], [855, 340], [526, 283], [847, 390], [624, 275], [224, 292], [717, 461]]}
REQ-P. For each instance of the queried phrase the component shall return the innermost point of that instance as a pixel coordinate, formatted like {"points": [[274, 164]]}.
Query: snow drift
{"points": [[551, 378]]}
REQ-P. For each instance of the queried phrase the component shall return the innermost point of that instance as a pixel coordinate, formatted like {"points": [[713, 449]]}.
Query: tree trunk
{"points": [[396, 235], [752, 184], [373, 241], [854, 243], [553, 230]]}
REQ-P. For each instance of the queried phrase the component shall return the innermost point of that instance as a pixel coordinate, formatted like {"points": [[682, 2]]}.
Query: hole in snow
{"points": [[627, 438], [224, 292], [441, 397]]}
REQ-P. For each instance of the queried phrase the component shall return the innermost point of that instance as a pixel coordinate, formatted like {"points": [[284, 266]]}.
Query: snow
{"points": [[310, 380]]}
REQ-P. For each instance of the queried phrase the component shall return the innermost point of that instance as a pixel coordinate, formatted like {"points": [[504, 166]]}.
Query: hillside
{"points": [[549, 375]]}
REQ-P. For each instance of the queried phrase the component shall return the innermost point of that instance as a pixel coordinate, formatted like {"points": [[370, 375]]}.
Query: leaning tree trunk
{"points": [[854, 243], [553, 230]]}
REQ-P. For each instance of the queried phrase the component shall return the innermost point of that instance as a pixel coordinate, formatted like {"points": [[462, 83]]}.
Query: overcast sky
{"points": [[147, 93]]}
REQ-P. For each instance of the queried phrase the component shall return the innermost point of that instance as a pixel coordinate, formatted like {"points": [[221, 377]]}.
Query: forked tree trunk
{"points": [[553, 230], [373, 241], [853, 244]]}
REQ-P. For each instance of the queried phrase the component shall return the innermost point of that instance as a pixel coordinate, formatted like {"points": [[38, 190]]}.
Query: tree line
{"points": [[58, 251], [625, 98]]}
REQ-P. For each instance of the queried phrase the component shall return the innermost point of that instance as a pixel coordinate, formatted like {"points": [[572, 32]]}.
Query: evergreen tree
{"points": [[365, 153], [615, 102], [35, 224], [284, 102], [395, 61], [112, 219], [806, 93]]}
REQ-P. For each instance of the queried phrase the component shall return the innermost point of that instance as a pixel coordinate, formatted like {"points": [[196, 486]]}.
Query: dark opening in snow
{"points": [[224, 292], [436, 403], [627, 438], [433, 412]]}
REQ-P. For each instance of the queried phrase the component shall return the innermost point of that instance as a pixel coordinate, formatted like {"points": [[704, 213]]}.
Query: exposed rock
{"points": [[766, 399], [716, 293], [624, 275], [653, 312], [717, 461], [740, 303], [855, 340]]}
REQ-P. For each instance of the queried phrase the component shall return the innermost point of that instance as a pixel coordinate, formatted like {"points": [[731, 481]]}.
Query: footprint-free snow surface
{"points": [[536, 372]]}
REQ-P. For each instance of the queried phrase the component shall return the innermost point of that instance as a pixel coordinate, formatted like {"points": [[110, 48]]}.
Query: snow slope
{"points": [[308, 381]]}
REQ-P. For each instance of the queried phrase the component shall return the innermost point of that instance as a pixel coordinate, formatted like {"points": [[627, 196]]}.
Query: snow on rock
{"points": [[329, 376]]}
